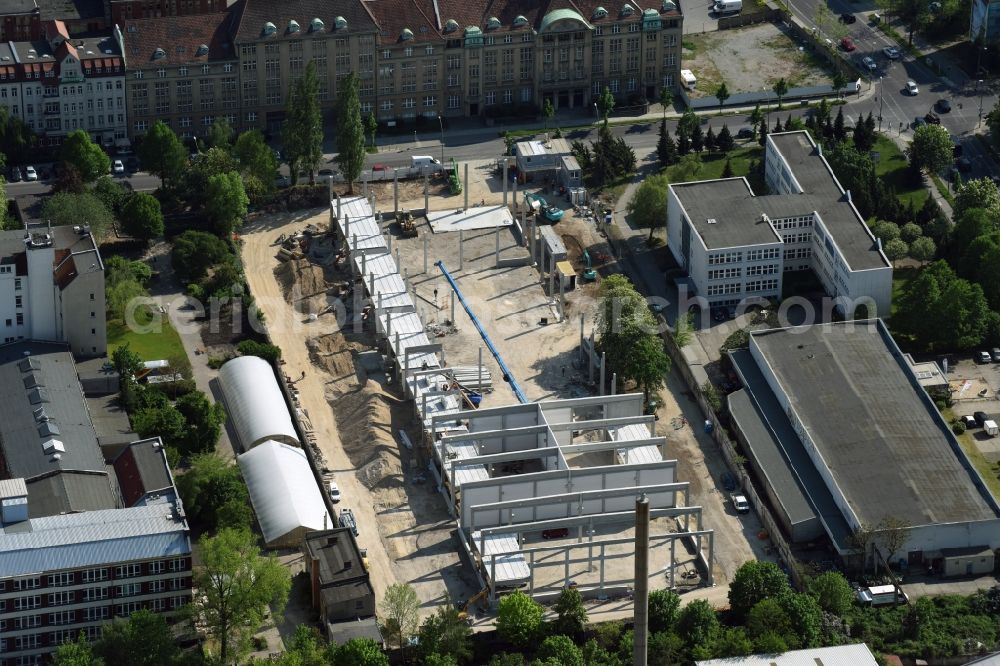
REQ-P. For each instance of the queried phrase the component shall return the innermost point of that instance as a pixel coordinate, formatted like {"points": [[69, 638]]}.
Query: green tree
{"points": [[886, 231], [663, 607], [195, 252], [666, 648], [710, 140], [931, 148], [755, 581], [144, 639], [161, 153], [666, 151], [65, 209], [88, 158], [606, 104], [163, 420], [204, 420], [306, 648], [770, 616], [548, 112], [571, 616], [839, 80], [519, 619], [111, 193], [350, 132], [978, 193], [257, 163], [666, 99], [371, 126], [839, 129], [268, 352], [445, 633], [507, 659], [687, 169], [939, 310], [214, 493], [923, 249], [697, 139], [648, 206], [561, 650], [756, 116], [302, 135], [722, 94], [780, 89], [236, 588], [805, 616], [896, 249], [697, 622], [400, 613], [832, 592], [910, 232], [360, 652], [227, 202], [725, 142], [727, 169], [220, 134], [76, 653], [730, 642], [126, 363], [141, 216], [762, 134]]}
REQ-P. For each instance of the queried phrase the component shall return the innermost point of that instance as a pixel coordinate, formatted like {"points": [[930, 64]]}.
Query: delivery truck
{"points": [[728, 6]]}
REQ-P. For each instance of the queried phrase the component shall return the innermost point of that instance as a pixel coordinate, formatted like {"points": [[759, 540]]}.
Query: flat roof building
{"points": [[857, 654], [341, 589], [736, 245], [860, 438]]}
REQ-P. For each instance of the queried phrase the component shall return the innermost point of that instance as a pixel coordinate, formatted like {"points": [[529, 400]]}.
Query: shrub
{"points": [[268, 352], [958, 427]]}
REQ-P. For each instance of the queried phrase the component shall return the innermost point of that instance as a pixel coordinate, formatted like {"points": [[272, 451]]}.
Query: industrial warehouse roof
{"points": [[45, 430], [885, 444], [283, 490], [255, 402], [840, 655], [92, 538]]}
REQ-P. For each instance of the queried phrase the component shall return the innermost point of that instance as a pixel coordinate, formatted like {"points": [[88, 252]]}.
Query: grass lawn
{"points": [[712, 165], [162, 342], [900, 277], [892, 168], [989, 471]]}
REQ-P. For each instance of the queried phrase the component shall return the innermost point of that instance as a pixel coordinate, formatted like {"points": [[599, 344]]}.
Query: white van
{"points": [[689, 79], [424, 162], [882, 595]]}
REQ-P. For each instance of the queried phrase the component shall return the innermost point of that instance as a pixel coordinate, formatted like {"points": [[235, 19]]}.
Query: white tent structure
{"points": [[255, 403], [284, 493]]}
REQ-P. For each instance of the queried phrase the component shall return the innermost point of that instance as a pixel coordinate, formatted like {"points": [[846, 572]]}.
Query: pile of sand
{"points": [[334, 354], [303, 284]]}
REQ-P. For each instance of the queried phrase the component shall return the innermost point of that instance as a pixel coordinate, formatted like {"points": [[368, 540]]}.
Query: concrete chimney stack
{"points": [[641, 635]]}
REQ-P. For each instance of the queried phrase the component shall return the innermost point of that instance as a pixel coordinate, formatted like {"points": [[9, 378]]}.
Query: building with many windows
{"points": [[20, 20], [125, 10], [415, 59], [736, 245], [181, 70], [57, 85], [87, 533]]}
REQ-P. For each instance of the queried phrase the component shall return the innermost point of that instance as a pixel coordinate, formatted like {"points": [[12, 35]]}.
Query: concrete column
{"points": [[397, 257], [603, 358], [329, 183], [465, 186], [552, 276], [388, 325], [452, 311], [641, 607], [602, 560], [614, 383], [590, 364], [673, 563], [566, 568], [347, 230], [505, 182], [405, 368], [479, 371], [711, 558], [496, 252], [388, 241], [425, 255], [514, 195], [371, 287], [581, 339], [562, 296], [461, 250], [365, 182], [364, 262], [338, 206], [395, 192]]}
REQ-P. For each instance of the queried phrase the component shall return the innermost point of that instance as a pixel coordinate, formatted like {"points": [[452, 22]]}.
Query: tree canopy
{"points": [[519, 618], [939, 310], [400, 613], [931, 148], [161, 152], [89, 159], [350, 130], [141, 216], [195, 252], [257, 162], [214, 493], [303, 130], [755, 581], [648, 206], [226, 202]]}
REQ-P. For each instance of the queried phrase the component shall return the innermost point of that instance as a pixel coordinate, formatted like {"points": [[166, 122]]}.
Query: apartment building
{"points": [[125, 10], [52, 288], [736, 245], [57, 85], [87, 534], [182, 70], [20, 20]]}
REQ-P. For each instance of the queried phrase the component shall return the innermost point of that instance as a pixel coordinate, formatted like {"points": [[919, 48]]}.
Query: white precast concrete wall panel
{"points": [[255, 402]]}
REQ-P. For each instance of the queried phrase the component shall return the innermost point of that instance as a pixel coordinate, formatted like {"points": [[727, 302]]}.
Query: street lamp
{"points": [[982, 89], [441, 125]]}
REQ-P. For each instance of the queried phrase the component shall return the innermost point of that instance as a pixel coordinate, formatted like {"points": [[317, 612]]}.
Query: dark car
{"points": [[556, 533], [918, 122], [963, 164], [981, 418], [132, 164], [933, 118], [728, 482], [325, 172], [744, 133], [957, 149], [379, 167], [943, 105], [15, 175], [847, 44], [848, 18]]}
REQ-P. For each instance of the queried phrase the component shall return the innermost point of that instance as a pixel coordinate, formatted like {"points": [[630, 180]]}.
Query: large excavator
{"points": [[463, 612], [551, 213]]}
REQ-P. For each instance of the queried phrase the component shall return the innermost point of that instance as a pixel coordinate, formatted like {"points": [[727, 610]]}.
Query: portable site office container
{"points": [[882, 595]]}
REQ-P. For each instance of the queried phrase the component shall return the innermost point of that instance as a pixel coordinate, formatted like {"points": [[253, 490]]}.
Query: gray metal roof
{"points": [[799, 466], [824, 194], [885, 444], [857, 654], [332, 549], [725, 213], [64, 492], [63, 238], [93, 538]]}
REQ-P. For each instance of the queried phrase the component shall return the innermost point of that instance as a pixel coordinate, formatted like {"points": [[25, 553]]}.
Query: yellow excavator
{"points": [[463, 612]]}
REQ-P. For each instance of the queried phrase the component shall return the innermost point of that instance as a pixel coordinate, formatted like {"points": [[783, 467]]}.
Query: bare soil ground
{"points": [[748, 59]]}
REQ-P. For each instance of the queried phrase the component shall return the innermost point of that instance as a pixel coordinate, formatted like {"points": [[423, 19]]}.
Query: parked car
{"points": [[728, 482], [347, 520], [932, 118], [740, 503], [983, 357], [744, 133], [325, 172], [995, 353], [911, 88], [891, 52], [943, 105], [969, 422], [556, 533], [117, 168], [379, 167], [848, 18], [30, 173], [963, 164], [847, 44], [334, 491], [869, 63], [957, 148], [918, 122], [132, 164], [15, 175], [981, 417]]}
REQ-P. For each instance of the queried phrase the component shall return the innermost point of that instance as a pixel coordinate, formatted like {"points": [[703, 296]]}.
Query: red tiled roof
{"points": [[393, 16], [179, 37], [256, 13]]}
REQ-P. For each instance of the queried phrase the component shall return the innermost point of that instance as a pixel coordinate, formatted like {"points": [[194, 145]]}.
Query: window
{"points": [[27, 622], [125, 610], [17, 304], [157, 586], [179, 564], [20, 318], [24, 603], [453, 101], [182, 71], [526, 94], [179, 602], [28, 642], [62, 617], [491, 98], [128, 590], [129, 570], [158, 605], [96, 614], [228, 67], [96, 593], [762, 269], [27, 583], [157, 567], [725, 258], [61, 579], [724, 273], [61, 598]]}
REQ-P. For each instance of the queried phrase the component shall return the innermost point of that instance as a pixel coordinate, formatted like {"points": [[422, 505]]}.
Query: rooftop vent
{"points": [[108, 52], [600, 12], [32, 51], [51, 446], [269, 29], [628, 10], [48, 429], [293, 26], [28, 364], [316, 25], [451, 25], [38, 395], [520, 20], [712, 220], [38, 240], [32, 381], [340, 23], [157, 53], [202, 50], [39, 414], [406, 35], [493, 23]]}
